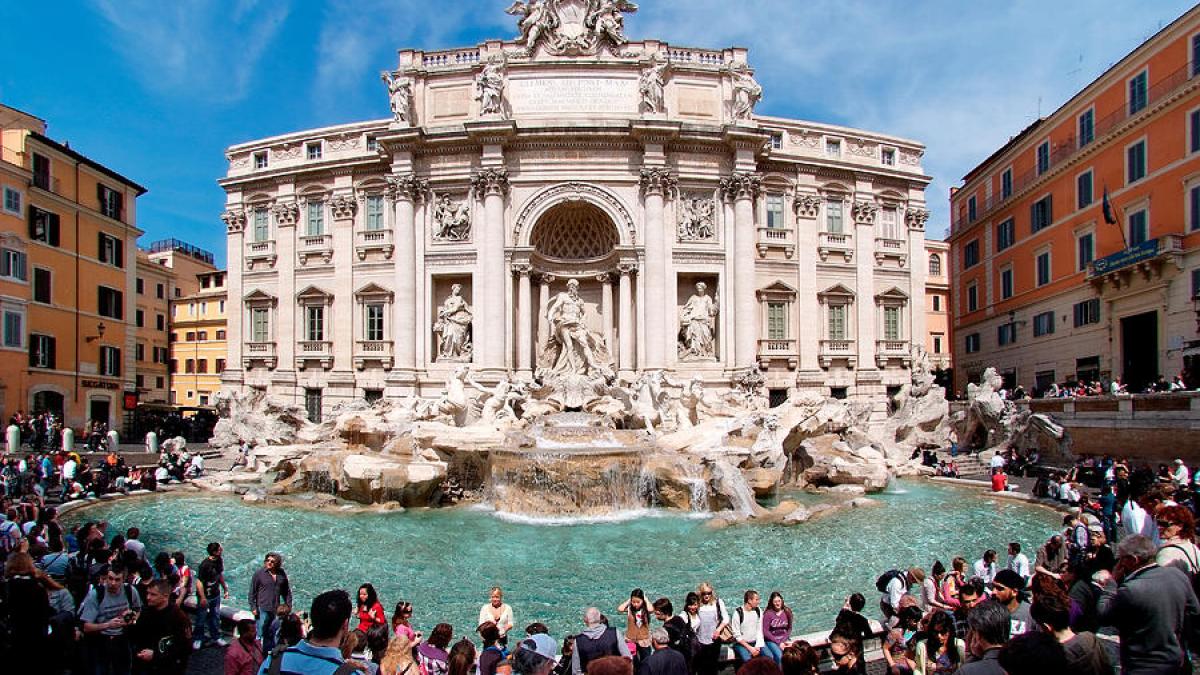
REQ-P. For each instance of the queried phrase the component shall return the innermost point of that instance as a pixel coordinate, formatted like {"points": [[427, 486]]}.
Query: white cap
{"points": [[241, 616]]}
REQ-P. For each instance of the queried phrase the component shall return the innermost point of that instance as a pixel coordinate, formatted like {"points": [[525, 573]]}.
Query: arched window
{"points": [[935, 265]]}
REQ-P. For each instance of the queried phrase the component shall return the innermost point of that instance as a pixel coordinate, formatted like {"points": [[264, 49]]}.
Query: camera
{"points": [[129, 616]]}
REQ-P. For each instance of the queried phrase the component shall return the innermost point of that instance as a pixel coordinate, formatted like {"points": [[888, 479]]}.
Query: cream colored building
{"points": [[198, 344], [635, 169]]}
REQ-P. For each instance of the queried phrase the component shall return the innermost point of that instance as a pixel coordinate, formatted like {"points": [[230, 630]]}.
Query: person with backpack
{"points": [[10, 533], [712, 632], [1177, 528], [680, 635], [893, 586], [107, 612], [320, 653], [596, 641], [746, 624]]}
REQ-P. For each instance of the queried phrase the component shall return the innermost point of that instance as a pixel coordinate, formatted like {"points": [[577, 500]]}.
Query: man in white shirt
{"points": [[1018, 562], [1135, 520], [746, 624], [1181, 474], [985, 567], [132, 543], [894, 592], [997, 461]]}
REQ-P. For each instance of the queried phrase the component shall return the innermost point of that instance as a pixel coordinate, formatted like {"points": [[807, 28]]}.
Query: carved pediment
{"points": [[891, 296], [836, 292], [373, 292], [260, 298], [777, 291], [314, 295]]}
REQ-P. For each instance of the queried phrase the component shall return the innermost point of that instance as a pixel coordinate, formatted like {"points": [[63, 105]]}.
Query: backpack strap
{"points": [[741, 615], [277, 660], [1191, 559]]}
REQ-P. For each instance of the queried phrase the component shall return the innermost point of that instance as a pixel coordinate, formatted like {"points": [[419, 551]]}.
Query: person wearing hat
{"points": [[245, 655], [535, 655], [1006, 590]]}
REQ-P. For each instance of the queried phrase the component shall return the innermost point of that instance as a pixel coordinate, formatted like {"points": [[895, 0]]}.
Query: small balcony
{"points": [[778, 350], [311, 246], [895, 249], [776, 237], [259, 352], [366, 351], [366, 241], [892, 350], [836, 243], [838, 350], [320, 351], [260, 251]]}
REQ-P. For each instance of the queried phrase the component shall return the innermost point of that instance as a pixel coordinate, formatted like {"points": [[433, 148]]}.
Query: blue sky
{"points": [[158, 89]]}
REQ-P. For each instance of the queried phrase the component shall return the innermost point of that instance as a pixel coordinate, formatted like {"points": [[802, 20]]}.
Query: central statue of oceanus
{"points": [[575, 360]]}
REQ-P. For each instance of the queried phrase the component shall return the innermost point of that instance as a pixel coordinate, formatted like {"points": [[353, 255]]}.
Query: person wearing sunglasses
{"points": [[1177, 528], [712, 630]]}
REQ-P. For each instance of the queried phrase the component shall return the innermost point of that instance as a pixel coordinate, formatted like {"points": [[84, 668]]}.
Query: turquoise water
{"points": [[444, 561]]}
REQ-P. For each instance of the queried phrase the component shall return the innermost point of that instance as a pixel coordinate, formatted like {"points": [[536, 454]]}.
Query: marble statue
{"points": [[453, 402], [454, 326], [746, 92], [606, 19], [497, 402], [691, 402], [696, 219], [489, 88], [399, 96], [651, 86], [572, 348], [452, 222], [697, 323], [539, 18]]}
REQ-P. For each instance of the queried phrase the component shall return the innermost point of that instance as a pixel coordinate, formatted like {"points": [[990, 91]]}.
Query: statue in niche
{"points": [[573, 349], [489, 88], [746, 92], [606, 19], [652, 85], [697, 322], [452, 221], [696, 219], [399, 96], [538, 19], [454, 326]]}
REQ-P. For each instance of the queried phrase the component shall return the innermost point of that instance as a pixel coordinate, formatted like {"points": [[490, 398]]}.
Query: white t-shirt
{"points": [[748, 628], [1019, 563], [68, 469], [997, 461], [137, 547], [985, 571]]}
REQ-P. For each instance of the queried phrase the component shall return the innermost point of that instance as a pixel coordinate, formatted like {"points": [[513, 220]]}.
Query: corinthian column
{"points": [[235, 224], [655, 184], [489, 290], [742, 189], [404, 191]]}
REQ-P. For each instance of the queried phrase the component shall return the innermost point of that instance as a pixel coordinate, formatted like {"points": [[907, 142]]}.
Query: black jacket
{"points": [[664, 662]]}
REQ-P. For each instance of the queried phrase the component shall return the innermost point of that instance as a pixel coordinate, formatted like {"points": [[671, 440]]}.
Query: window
{"points": [[12, 201], [110, 302], [1006, 184], [374, 204], [1087, 128], [42, 351], [316, 218], [833, 216], [372, 144], [833, 148], [776, 321], [202, 366], [1086, 246], [41, 285], [937, 303], [111, 250], [139, 318], [1194, 207], [1138, 227], [891, 323], [937, 344], [1043, 324], [312, 404], [314, 323], [1135, 162], [1043, 268], [173, 366], [202, 336], [220, 334], [262, 225], [313, 150], [1196, 55], [972, 343], [1083, 190], [159, 383], [972, 212], [888, 157], [259, 325], [1137, 92], [14, 329], [971, 254], [837, 322], [1194, 130], [219, 366], [160, 322], [221, 306], [43, 226], [190, 336], [260, 160], [41, 171], [139, 352], [775, 212], [110, 201], [12, 264], [139, 381], [1087, 312], [1006, 283], [889, 223], [110, 361], [373, 322], [972, 297], [1006, 334], [159, 291], [935, 265], [776, 141], [1196, 282], [1006, 234], [1043, 157], [1041, 213], [189, 366]]}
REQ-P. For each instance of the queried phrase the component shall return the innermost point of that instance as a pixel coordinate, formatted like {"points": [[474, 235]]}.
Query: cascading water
{"points": [[735, 488]]}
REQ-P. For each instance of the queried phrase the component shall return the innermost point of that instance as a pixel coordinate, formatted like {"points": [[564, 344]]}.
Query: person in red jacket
{"points": [[370, 610], [999, 481]]}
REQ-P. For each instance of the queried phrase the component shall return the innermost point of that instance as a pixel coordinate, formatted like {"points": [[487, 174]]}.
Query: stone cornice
{"points": [[864, 212]]}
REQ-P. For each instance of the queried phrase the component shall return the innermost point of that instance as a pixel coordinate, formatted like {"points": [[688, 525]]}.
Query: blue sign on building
{"points": [[1130, 256]]}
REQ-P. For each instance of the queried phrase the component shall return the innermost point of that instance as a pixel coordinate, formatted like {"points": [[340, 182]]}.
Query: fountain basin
{"points": [[583, 481]]}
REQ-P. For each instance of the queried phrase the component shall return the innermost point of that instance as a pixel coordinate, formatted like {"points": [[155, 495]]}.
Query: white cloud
{"points": [[200, 49]]}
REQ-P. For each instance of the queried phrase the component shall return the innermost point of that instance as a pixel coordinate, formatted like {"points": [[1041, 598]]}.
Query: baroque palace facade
{"points": [[573, 200]]}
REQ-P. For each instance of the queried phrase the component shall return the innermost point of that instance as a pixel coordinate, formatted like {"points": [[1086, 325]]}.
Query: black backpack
{"points": [[884, 579], [100, 598]]}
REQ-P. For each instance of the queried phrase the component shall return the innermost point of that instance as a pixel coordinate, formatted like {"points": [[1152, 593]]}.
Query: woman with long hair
{"points": [[370, 610], [398, 659], [28, 588], [432, 654], [940, 653], [637, 623], [953, 581], [691, 610], [498, 612], [799, 658], [931, 600], [462, 657], [776, 626], [402, 621], [712, 631]]}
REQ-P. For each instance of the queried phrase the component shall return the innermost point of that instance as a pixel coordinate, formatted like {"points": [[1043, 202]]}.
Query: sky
{"points": [[157, 89]]}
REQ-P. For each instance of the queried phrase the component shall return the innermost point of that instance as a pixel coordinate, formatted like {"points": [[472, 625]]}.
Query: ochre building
{"points": [[198, 344]]}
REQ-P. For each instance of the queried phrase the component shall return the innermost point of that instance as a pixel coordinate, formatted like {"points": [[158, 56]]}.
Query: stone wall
{"points": [[1152, 427]]}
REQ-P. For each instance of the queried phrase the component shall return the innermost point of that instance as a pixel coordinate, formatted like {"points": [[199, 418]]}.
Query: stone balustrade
{"points": [[832, 350], [257, 251], [373, 350], [836, 242], [315, 245], [259, 351], [781, 349], [366, 241], [776, 237]]}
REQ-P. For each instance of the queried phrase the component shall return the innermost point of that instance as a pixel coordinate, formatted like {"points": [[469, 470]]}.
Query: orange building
{"points": [[198, 346], [67, 261], [1044, 287], [937, 305]]}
